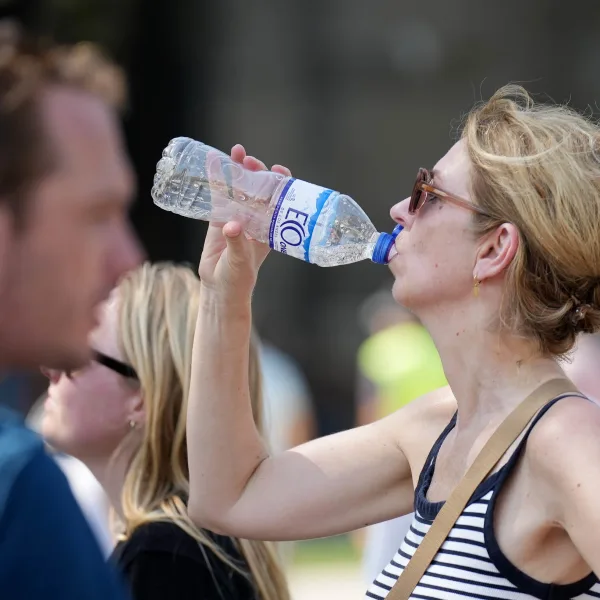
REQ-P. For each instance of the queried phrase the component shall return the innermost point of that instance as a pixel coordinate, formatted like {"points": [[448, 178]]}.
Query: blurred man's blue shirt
{"points": [[47, 549]]}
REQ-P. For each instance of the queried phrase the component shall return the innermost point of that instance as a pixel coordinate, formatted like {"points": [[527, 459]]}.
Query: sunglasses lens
{"points": [[412, 207], [418, 195]]}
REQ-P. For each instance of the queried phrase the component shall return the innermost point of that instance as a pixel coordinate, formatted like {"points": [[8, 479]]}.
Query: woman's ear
{"points": [[497, 252], [136, 409]]}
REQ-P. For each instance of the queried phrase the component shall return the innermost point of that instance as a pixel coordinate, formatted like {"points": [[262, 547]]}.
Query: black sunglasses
{"points": [[110, 363], [115, 365]]}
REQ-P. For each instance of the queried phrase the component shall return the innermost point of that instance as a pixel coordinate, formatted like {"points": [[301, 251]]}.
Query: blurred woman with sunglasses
{"points": [[499, 258], [124, 416]]}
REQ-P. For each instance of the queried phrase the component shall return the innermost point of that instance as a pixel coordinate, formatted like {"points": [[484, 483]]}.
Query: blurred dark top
{"points": [[161, 561]]}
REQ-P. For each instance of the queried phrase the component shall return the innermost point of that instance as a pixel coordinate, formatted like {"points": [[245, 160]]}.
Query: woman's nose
{"points": [[399, 213], [52, 374]]}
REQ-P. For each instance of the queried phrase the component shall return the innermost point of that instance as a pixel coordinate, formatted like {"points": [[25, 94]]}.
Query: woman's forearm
{"points": [[224, 445]]}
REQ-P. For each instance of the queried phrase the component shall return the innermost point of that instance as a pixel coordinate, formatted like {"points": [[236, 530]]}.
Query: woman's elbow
{"points": [[206, 518]]}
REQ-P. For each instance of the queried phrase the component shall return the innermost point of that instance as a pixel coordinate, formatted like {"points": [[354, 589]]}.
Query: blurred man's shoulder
{"points": [[19, 446], [41, 524], [28, 475]]}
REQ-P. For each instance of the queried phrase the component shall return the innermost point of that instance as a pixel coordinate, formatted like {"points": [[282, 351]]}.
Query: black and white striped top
{"points": [[470, 563]]}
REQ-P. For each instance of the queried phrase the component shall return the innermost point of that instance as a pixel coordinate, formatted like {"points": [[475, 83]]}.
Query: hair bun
{"points": [[579, 312], [585, 318]]}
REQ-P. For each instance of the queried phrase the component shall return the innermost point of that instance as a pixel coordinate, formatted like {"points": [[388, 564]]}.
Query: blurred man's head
{"points": [[65, 188]]}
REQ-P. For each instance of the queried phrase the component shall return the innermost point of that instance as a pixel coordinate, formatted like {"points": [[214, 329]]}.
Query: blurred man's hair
{"points": [[28, 67]]}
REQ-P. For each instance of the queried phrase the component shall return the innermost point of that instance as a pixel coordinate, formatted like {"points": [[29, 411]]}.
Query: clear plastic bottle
{"points": [[309, 222]]}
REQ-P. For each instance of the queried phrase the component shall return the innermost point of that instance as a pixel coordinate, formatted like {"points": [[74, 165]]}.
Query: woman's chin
{"points": [[51, 437], [399, 292], [401, 295], [45, 424]]}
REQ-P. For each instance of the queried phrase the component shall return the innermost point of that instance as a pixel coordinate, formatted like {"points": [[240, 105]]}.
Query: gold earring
{"points": [[132, 424], [476, 284]]}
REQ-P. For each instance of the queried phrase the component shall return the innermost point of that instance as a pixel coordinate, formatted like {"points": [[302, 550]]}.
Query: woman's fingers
{"points": [[281, 170], [238, 153], [253, 164]]}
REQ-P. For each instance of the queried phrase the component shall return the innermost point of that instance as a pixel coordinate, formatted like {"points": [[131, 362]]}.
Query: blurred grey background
{"points": [[351, 94]]}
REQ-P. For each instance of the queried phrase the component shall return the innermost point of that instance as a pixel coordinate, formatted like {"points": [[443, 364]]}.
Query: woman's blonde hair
{"points": [[537, 166], [158, 306]]}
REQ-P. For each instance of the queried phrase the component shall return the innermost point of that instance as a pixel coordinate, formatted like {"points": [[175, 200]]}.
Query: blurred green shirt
{"points": [[403, 364]]}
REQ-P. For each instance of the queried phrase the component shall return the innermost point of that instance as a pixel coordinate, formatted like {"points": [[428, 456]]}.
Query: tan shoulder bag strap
{"points": [[492, 452]]}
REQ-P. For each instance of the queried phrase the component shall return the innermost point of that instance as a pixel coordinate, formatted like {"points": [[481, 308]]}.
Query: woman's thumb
{"points": [[236, 242]]}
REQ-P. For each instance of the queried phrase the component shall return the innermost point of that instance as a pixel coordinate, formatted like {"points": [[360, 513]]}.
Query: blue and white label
{"points": [[295, 216]]}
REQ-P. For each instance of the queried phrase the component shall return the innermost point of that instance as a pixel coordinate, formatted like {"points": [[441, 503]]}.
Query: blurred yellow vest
{"points": [[403, 364]]}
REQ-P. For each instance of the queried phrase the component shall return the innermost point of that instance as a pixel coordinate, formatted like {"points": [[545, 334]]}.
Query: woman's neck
{"points": [[489, 372], [110, 473]]}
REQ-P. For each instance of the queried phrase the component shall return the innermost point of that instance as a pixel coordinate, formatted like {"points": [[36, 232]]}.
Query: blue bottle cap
{"points": [[382, 248], [384, 245]]}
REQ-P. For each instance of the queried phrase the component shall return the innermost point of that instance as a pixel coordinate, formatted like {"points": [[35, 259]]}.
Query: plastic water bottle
{"points": [[312, 223]]}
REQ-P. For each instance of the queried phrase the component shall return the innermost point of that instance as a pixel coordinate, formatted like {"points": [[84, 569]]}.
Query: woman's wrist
{"points": [[219, 302]]}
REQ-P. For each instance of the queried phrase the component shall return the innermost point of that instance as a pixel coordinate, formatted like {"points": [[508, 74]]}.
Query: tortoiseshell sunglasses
{"points": [[423, 189]]}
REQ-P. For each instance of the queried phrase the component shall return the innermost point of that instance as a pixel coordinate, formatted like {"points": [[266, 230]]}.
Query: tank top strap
{"points": [[428, 468], [512, 461]]}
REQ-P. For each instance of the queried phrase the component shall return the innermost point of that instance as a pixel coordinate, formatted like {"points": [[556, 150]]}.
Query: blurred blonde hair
{"points": [[538, 166], [158, 307]]}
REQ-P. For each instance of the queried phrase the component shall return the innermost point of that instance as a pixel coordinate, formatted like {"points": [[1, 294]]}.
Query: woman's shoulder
{"points": [[416, 426], [566, 438], [432, 410], [169, 538]]}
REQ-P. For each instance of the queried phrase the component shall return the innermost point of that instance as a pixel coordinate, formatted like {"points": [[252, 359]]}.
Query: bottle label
{"points": [[295, 217]]}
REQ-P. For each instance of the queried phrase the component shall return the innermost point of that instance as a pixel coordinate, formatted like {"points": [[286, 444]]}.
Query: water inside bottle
{"points": [[343, 234], [200, 182], [340, 255]]}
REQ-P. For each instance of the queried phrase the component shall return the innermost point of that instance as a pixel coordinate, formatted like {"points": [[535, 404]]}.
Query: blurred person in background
{"points": [[65, 188], [123, 415], [289, 417], [583, 367], [500, 261], [396, 364], [88, 492]]}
